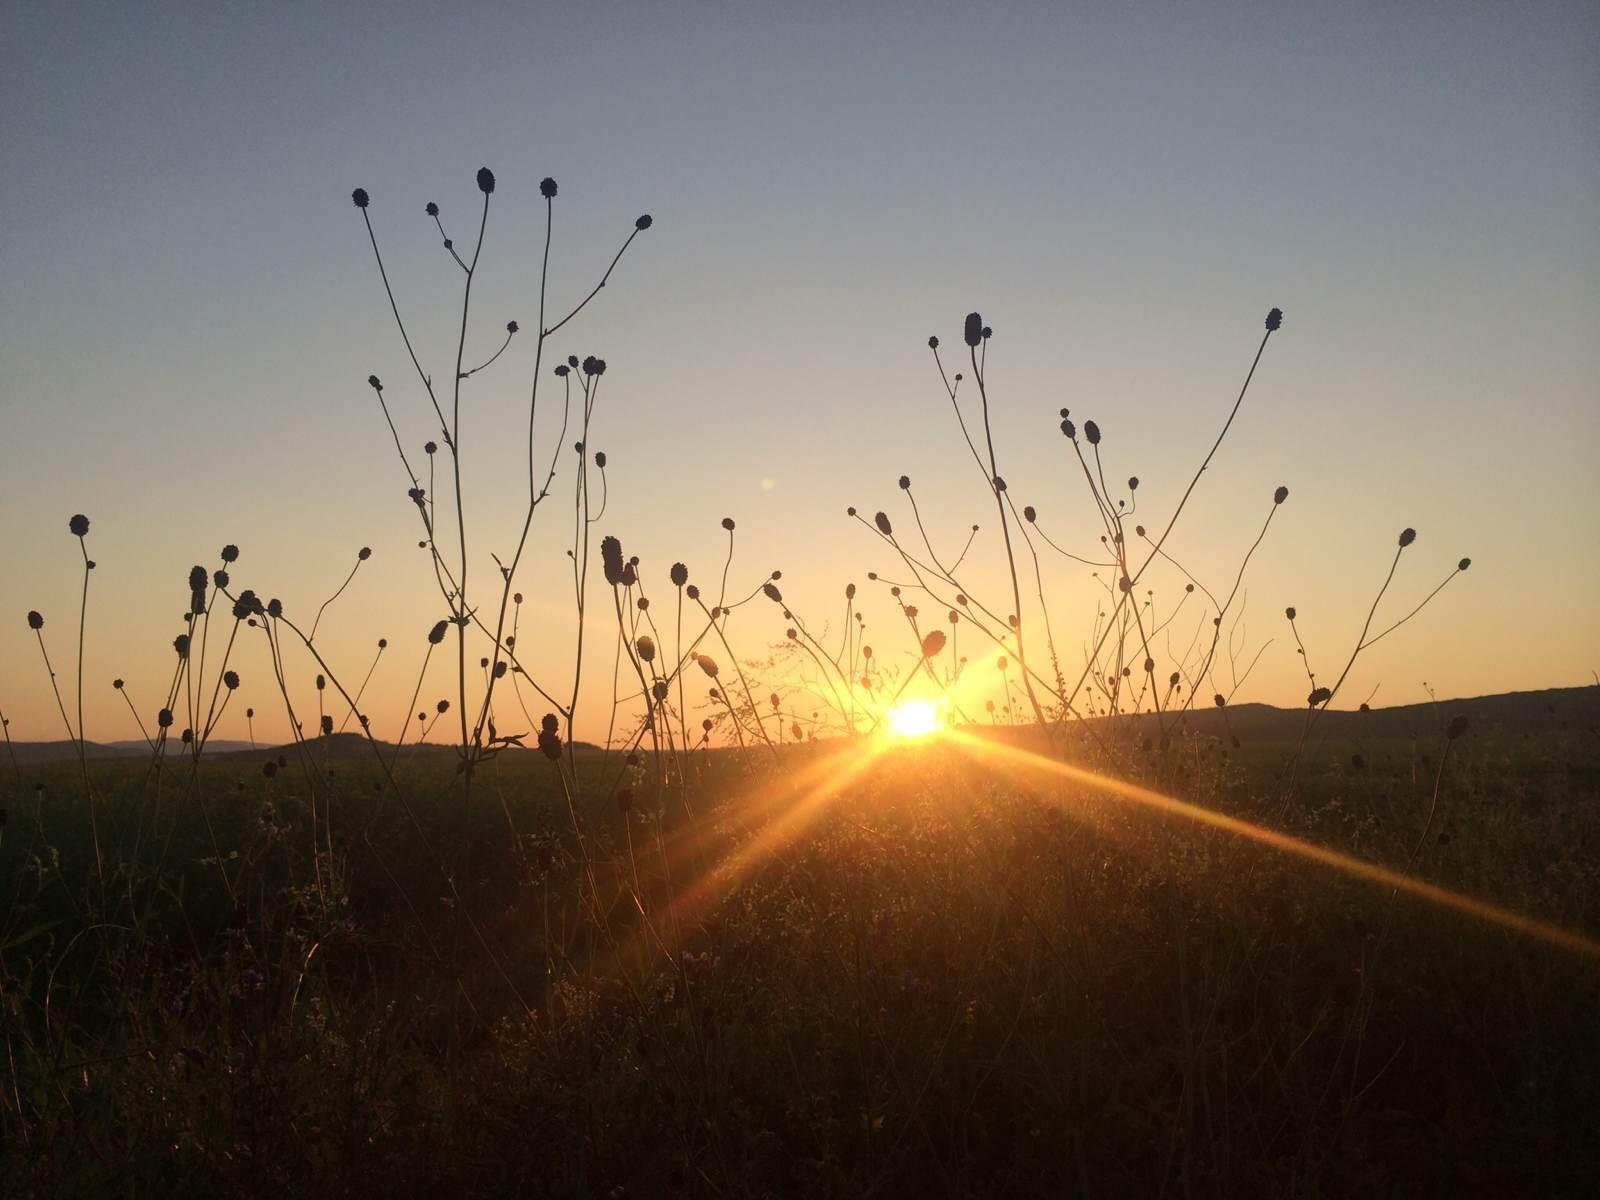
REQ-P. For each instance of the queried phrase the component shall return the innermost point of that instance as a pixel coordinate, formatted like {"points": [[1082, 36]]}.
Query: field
{"points": [[847, 968]]}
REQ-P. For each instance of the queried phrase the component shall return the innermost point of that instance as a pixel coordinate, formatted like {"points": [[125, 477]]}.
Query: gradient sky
{"points": [[189, 309]]}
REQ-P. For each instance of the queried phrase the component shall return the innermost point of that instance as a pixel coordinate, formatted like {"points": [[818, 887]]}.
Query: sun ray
{"points": [[1025, 760]]}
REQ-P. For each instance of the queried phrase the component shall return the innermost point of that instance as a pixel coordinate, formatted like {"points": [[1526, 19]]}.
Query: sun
{"points": [[912, 720]]}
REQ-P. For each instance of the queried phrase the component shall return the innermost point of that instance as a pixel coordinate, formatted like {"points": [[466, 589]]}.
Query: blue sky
{"points": [[189, 306]]}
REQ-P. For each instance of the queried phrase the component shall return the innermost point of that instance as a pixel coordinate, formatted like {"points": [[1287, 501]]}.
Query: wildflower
{"points": [[360, 197], [432, 210], [219, 579], [933, 343], [772, 593], [1289, 612], [611, 558], [884, 527], [1092, 432], [646, 646], [274, 607], [1279, 496], [999, 484], [517, 598], [322, 682], [1219, 700], [430, 447], [1463, 564], [442, 707], [513, 327], [249, 713], [230, 553], [181, 645], [164, 718], [692, 591], [1133, 483], [436, 634], [1319, 696], [1029, 513], [707, 664], [933, 643], [1407, 536], [680, 574], [644, 222], [1068, 428], [246, 605], [549, 738], [849, 591], [974, 329], [1274, 320], [117, 683], [35, 621], [562, 370], [905, 483], [231, 679], [547, 188], [727, 523], [485, 180], [79, 525]]}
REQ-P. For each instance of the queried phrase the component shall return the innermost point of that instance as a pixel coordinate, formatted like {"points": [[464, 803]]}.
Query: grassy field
{"points": [[939, 969]]}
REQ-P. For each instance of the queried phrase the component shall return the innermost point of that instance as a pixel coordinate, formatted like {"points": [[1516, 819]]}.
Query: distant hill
{"points": [[1511, 712]]}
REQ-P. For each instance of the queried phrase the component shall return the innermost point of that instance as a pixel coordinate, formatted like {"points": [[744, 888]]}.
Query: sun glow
{"points": [[913, 720]]}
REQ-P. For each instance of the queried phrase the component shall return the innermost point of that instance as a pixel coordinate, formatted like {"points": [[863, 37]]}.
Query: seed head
{"points": [[360, 197], [547, 188], [35, 621], [1029, 514], [485, 180], [1463, 564], [230, 553], [1289, 612], [79, 525], [849, 591], [164, 718], [1407, 536], [436, 634], [727, 523], [1133, 483], [1274, 320], [646, 647], [1279, 496], [1319, 696], [1220, 700], [1092, 432], [680, 574], [974, 330], [644, 222], [611, 559], [771, 592], [274, 607], [327, 724], [181, 645], [117, 683], [933, 343], [933, 643], [1068, 428], [432, 210], [707, 664], [884, 527]]}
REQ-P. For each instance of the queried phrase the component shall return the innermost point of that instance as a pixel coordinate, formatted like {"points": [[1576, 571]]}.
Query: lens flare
{"points": [[913, 720]]}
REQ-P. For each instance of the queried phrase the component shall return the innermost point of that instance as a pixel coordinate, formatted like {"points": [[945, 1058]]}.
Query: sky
{"points": [[189, 309]]}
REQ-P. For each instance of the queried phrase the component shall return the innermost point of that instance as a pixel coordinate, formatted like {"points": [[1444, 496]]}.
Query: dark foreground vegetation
{"points": [[928, 970]]}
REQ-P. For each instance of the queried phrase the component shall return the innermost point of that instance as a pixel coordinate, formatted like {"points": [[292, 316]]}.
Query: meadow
{"points": [[807, 911]]}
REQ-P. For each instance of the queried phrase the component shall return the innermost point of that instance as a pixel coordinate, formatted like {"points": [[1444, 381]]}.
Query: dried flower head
{"points": [[35, 621], [432, 210], [485, 180], [79, 525], [644, 222], [707, 664], [327, 724], [611, 559], [1289, 612], [933, 643], [1068, 428], [1407, 536], [230, 553], [772, 593], [360, 197], [181, 645], [646, 646], [164, 718], [933, 343], [727, 523], [547, 188], [1274, 320], [1091, 431], [436, 634], [680, 574], [973, 330], [1318, 696], [884, 527], [1279, 496], [274, 607]]}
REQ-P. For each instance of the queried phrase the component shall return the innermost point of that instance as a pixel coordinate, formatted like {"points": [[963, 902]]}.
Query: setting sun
{"points": [[913, 719]]}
